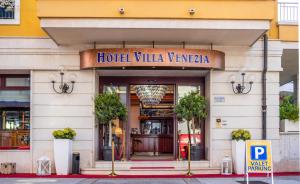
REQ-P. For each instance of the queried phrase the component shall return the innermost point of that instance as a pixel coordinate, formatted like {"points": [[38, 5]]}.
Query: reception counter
{"points": [[152, 143]]}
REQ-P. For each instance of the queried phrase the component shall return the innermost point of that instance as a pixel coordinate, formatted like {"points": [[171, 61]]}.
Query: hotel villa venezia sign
{"points": [[140, 57]]}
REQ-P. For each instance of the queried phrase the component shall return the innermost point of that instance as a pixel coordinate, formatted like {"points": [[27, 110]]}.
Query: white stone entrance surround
{"points": [[50, 111]]}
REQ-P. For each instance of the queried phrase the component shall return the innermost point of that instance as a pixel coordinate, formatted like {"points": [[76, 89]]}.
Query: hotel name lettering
{"points": [[171, 57], [189, 58]]}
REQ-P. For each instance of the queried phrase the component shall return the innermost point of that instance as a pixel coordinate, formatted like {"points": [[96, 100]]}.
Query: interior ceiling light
{"points": [[150, 94]]}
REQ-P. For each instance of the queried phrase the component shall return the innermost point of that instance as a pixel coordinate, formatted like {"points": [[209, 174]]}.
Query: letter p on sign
{"points": [[258, 152]]}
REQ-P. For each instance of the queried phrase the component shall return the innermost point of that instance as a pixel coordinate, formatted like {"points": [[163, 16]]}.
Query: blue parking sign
{"points": [[258, 157], [258, 152]]}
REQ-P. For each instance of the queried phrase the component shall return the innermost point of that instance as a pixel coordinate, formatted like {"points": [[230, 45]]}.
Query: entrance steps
{"points": [[151, 168]]}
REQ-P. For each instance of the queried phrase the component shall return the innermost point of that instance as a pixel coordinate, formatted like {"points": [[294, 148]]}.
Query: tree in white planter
{"points": [[289, 115], [63, 150], [238, 149]]}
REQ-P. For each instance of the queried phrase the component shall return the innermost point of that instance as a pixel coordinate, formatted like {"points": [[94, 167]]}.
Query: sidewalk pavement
{"points": [[254, 180]]}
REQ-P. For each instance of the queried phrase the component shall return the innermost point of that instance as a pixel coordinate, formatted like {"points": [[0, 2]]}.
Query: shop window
{"points": [[9, 11], [14, 112], [17, 82]]}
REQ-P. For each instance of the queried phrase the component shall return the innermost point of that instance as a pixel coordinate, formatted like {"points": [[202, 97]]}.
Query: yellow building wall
{"points": [[273, 32], [205, 9], [29, 23], [288, 33]]}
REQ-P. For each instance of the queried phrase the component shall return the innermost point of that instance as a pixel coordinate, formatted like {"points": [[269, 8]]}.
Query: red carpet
{"points": [[145, 160], [24, 175]]}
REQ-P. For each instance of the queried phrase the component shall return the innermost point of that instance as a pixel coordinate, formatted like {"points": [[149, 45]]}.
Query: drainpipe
{"points": [[264, 89]]}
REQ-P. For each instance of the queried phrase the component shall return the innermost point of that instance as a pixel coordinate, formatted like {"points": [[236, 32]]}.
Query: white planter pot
{"points": [[238, 156], [62, 156], [289, 126]]}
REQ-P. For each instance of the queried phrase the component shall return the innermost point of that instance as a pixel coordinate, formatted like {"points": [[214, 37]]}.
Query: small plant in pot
{"points": [[108, 107], [289, 115], [63, 150], [192, 106], [238, 149]]}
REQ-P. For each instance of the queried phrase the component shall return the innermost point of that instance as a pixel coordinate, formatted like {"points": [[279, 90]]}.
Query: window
{"points": [[17, 82], [9, 11], [14, 112]]}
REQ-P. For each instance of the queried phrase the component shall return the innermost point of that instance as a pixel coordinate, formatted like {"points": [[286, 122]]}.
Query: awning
{"points": [[13, 104], [68, 31]]}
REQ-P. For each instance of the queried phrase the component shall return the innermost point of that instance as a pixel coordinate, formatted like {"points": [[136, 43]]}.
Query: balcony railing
{"points": [[287, 13]]}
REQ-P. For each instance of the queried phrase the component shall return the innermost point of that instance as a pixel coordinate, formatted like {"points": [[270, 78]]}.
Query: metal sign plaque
{"points": [[151, 57]]}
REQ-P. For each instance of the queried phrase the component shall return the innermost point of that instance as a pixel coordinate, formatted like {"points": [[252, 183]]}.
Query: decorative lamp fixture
{"points": [[226, 166], [43, 166], [240, 87], [150, 94], [118, 131], [64, 87]]}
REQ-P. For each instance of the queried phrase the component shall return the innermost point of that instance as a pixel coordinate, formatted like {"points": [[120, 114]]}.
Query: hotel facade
{"points": [[207, 46]]}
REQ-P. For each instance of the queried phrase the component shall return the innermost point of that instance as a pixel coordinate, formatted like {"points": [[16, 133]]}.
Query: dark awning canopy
{"points": [[14, 104]]}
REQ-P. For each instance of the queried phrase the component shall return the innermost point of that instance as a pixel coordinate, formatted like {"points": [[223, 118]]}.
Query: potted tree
{"points": [[289, 115], [63, 150], [238, 149], [190, 107], [108, 107]]}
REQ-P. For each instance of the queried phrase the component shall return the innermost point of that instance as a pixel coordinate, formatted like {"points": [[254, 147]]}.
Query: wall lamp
{"points": [[241, 87], [63, 87]]}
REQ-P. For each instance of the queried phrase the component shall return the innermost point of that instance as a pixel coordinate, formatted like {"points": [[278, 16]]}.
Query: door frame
{"points": [[139, 80]]}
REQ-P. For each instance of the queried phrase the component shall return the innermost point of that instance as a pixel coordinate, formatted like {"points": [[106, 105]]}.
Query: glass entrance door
{"points": [[197, 129], [118, 128], [146, 120]]}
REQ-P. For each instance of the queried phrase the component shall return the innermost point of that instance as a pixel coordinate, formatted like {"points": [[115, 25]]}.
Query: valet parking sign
{"points": [[259, 157]]}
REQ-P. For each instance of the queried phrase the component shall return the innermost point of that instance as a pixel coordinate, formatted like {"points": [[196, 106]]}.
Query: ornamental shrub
{"points": [[108, 107], [66, 133], [191, 106], [240, 134], [289, 110]]}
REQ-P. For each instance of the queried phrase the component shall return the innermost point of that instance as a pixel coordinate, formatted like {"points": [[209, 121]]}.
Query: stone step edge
{"points": [[152, 173], [155, 161], [161, 169]]}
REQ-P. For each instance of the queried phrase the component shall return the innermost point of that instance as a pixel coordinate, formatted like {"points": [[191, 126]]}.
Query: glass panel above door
{"points": [[120, 90], [184, 90]]}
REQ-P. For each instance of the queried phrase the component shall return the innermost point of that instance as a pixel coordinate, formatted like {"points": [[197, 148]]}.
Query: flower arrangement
{"points": [[66, 133], [289, 110], [240, 134], [8, 5]]}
